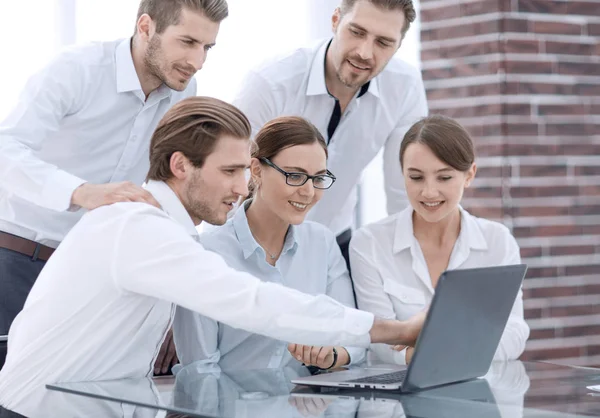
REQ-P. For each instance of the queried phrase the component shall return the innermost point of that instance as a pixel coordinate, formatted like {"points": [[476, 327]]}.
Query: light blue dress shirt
{"points": [[310, 262]]}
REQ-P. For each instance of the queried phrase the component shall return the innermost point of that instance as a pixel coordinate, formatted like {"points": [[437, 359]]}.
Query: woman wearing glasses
{"points": [[268, 237]]}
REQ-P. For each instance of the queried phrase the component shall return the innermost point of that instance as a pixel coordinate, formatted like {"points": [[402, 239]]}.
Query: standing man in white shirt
{"points": [[103, 303], [79, 136], [355, 93]]}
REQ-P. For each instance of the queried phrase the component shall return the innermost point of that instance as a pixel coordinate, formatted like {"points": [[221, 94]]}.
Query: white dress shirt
{"points": [[103, 303], [391, 278], [311, 262], [83, 118], [295, 85]]}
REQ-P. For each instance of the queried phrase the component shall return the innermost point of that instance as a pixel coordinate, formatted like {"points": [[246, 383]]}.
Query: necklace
{"points": [[272, 255]]}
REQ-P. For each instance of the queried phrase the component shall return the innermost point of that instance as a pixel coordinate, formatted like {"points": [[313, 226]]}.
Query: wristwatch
{"points": [[335, 358]]}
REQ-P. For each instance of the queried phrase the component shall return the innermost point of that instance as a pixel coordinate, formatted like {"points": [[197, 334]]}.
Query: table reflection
{"points": [[511, 389]]}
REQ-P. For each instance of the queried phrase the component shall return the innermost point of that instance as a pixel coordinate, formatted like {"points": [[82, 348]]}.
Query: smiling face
{"points": [[366, 38], [290, 203], [433, 187], [174, 56]]}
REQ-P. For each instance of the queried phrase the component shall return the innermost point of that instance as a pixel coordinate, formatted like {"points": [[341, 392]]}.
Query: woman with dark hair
{"points": [[268, 237], [396, 262]]}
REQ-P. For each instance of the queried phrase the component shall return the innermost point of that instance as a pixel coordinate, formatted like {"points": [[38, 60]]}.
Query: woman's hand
{"points": [[321, 357]]}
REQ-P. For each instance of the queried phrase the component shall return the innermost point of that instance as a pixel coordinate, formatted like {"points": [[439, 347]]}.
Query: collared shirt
{"points": [[295, 85], [83, 118], [103, 303], [311, 262], [391, 278]]}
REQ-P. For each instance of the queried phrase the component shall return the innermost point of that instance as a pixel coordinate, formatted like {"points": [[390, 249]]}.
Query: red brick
{"points": [[557, 28], [470, 111], [574, 310], [487, 172], [592, 170], [594, 29], [566, 129], [552, 292], [485, 212], [529, 67], [482, 7], [530, 211], [521, 46], [585, 210], [587, 269], [571, 109], [554, 353], [516, 25], [461, 31], [547, 231], [542, 170], [573, 250], [493, 89], [544, 191], [537, 334], [531, 252], [578, 68], [532, 313], [522, 129], [543, 6], [583, 8], [441, 13], [570, 48]]}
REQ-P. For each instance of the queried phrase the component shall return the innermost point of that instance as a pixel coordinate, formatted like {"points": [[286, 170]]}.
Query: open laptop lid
{"points": [[464, 325]]}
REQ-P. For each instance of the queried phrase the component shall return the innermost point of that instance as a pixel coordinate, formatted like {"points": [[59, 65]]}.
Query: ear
{"points": [[335, 19], [180, 166], [471, 175], [145, 27], [255, 171]]}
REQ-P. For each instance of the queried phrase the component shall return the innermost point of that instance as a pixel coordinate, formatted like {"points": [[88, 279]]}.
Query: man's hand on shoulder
{"points": [[90, 196]]}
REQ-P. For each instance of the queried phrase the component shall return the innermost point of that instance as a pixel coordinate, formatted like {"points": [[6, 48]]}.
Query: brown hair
{"points": [[193, 127], [281, 133], [407, 7], [165, 13], [445, 137]]}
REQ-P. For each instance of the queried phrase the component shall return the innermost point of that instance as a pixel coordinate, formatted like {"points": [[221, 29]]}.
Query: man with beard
{"points": [[78, 137], [360, 99], [125, 265]]}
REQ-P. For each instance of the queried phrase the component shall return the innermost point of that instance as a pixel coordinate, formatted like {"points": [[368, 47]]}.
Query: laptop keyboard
{"points": [[394, 377]]}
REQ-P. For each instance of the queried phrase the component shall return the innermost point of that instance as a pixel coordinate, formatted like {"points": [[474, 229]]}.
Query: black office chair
{"points": [[3, 348]]}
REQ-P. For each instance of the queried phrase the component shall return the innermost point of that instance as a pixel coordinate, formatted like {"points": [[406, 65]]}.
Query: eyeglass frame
{"points": [[308, 176]]}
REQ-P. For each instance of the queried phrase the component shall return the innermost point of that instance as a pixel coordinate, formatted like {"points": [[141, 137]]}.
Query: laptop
{"points": [[461, 333]]}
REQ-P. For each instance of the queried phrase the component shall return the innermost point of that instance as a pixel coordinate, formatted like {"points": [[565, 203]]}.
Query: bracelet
{"points": [[335, 359]]}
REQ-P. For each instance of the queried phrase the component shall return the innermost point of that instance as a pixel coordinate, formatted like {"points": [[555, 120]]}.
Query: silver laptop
{"points": [[459, 338]]}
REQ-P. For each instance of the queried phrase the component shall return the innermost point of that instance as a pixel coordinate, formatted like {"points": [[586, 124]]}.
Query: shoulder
{"points": [[400, 70], [89, 55], [496, 234], [376, 233], [314, 233], [285, 68], [221, 239]]}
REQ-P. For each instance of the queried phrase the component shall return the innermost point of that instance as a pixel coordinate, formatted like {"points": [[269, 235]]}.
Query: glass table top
{"points": [[513, 389]]}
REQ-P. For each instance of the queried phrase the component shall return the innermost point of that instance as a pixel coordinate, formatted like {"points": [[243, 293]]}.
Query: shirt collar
{"points": [[247, 240], [316, 79], [470, 235], [171, 205], [127, 78]]}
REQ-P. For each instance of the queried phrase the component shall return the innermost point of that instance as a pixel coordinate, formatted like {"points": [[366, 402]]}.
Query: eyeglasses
{"points": [[320, 181]]}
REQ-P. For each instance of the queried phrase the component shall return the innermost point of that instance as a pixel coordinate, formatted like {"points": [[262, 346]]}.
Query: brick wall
{"points": [[524, 77]]}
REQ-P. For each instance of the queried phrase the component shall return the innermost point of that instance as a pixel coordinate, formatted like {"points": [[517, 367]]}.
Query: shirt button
{"points": [[134, 138]]}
